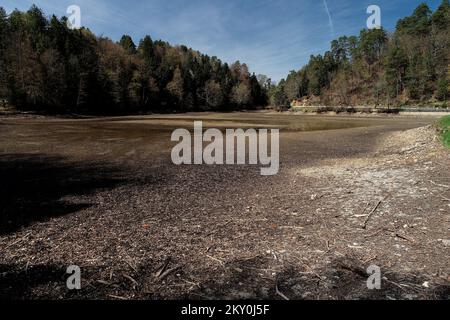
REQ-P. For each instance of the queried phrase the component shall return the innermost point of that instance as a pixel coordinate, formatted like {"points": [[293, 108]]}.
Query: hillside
{"points": [[409, 66], [45, 66]]}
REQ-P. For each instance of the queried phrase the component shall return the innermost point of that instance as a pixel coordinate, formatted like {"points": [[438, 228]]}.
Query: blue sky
{"points": [[271, 36]]}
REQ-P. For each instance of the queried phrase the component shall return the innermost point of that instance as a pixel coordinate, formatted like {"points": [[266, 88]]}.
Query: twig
{"points": [[192, 283], [440, 185], [398, 235], [291, 227], [127, 260], [117, 297], [131, 279], [199, 295], [311, 271], [221, 228], [260, 269], [365, 209], [371, 214], [167, 272], [370, 259], [162, 268], [375, 233], [278, 292], [20, 240], [394, 283], [359, 271], [215, 259], [245, 259]]}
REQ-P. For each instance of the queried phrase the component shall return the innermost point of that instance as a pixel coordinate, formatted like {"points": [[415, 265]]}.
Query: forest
{"points": [[408, 67], [46, 66]]}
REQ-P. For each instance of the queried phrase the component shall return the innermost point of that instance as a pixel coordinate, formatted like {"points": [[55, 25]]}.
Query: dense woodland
{"points": [[46, 66], [410, 66]]}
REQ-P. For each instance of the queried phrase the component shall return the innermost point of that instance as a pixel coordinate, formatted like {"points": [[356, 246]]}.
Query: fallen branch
{"points": [[20, 240], [440, 185], [117, 297], [371, 214], [375, 233], [215, 259], [370, 259], [163, 268], [394, 283], [278, 292], [365, 209], [355, 269], [168, 272], [129, 262], [131, 279], [398, 235], [310, 270], [192, 283], [221, 228]]}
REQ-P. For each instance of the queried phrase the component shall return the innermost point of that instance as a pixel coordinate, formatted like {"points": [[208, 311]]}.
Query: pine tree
{"points": [[127, 44], [46, 66], [292, 86], [441, 17], [396, 66]]}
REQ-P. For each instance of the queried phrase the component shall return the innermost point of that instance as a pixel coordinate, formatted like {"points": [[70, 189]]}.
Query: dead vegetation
{"points": [[344, 200]]}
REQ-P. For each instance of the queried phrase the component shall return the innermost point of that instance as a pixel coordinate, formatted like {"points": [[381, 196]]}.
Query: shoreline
{"points": [[293, 112]]}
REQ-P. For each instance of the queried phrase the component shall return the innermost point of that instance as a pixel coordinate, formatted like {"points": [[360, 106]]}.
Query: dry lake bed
{"points": [[103, 194]]}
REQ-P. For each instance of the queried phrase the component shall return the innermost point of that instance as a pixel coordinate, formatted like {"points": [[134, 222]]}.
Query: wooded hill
{"points": [[410, 66], [45, 66]]}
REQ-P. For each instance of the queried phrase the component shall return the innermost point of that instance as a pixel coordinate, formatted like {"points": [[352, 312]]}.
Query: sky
{"points": [[272, 36]]}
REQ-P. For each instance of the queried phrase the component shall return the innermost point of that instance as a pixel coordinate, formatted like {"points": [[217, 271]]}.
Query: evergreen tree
{"points": [[396, 66], [408, 66], [46, 66], [127, 44]]}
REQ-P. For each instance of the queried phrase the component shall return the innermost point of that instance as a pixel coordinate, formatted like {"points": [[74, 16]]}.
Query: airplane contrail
{"points": [[329, 16]]}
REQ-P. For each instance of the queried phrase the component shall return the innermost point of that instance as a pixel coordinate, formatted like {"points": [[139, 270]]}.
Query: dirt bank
{"points": [[104, 195]]}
